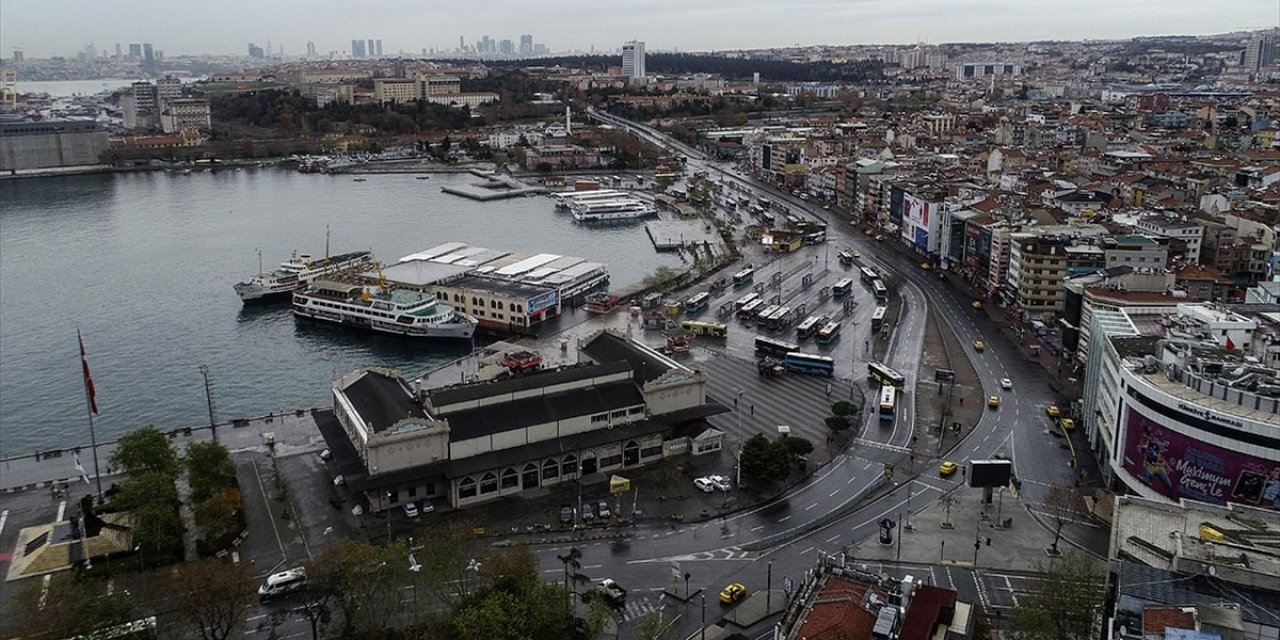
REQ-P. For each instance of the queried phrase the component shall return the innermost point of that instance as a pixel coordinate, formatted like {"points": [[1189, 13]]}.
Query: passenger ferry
{"points": [[296, 273], [564, 200], [416, 314], [610, 210]]}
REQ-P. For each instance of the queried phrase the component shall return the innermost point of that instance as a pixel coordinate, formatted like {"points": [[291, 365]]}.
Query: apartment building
{"points": [[1185, 235], [1136, 251], [181, 114]]}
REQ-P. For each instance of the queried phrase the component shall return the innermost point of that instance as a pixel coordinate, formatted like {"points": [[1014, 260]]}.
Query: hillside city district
{"points": [[982, 315]]}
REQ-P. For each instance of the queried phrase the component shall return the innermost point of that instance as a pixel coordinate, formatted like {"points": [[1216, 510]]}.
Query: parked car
{"points": [[326, 455], [411, 509], [587, 516], [566, 514], [720, 482], [1067, 424], [704, 485], [338, 481], [428, 506], [602, 510]]}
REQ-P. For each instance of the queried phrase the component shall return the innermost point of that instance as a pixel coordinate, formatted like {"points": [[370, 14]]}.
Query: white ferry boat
{"points": [[296, 273], [416, 314], [566, 199], [611, 210]]}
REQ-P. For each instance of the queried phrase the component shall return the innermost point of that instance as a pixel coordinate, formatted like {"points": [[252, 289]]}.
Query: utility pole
{"points": [[704, 615], [768, 593], [208, 397]]}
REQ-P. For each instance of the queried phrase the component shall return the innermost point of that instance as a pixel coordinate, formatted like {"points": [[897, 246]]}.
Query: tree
{"points": [[365, 584], [210, 469], [1062, 504], [655, 625], [213, 597], [795, 446], [153, 499], [572, 561], [517, 593], [763, 461], [1066, 604], [72, 605], [449, 555], [145, 450]]}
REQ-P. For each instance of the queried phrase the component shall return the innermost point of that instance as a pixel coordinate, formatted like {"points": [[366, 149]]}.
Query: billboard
{"points": [[543, 301], [1177, 466]]}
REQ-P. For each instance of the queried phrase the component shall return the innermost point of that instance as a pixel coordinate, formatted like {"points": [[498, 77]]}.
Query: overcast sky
{"points": [[62, 27]]}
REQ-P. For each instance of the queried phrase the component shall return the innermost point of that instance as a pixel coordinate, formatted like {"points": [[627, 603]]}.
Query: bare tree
{"points": [[1062, 505], [212, 597]]}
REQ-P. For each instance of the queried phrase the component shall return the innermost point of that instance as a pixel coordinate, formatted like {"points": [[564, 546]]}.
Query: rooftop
{"points": [[382, 400]]}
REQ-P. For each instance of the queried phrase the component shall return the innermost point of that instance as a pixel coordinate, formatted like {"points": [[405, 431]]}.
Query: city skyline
{"points": [[40, 29]]}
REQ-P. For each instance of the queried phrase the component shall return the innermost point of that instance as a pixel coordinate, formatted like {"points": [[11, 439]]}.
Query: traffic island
{"points": [[676, 592], [757, 607]]}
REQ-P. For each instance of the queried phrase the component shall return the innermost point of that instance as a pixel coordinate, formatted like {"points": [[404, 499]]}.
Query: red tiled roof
{"points": [[837, 613], [930, 607]]}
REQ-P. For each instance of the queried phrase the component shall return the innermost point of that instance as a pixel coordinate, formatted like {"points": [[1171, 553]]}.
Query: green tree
{"points": [[841, 408], [213, 597], [655, 625], [72, 605], [152, 498], [1066, 604], [145, 450], [210, 469], [219, 514], [763, 461], [795, 446], [516, 593], [367, 582]]}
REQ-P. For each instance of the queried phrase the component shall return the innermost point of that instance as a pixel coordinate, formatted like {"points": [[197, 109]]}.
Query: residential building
{"points": [[622, 407], [400, 90], [168, 88], [139, 106], [181, 114], [1138, 252], [971, 70], [633, 60], [1185, 235]]}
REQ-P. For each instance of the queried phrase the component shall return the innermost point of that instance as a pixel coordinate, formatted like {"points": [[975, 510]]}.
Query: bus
{"points": [[881, 291], [869, 275], [809, 326], [762, 318], [887, 397], [885, 376], [744, 277], [745, 300], [764, 202], [697, 303], [813, 365], [815, 237], [766, 346], [768, 219], [778, 319], [713, 329], [830, 333], [842, 288], [748, 310], [877, 319]]}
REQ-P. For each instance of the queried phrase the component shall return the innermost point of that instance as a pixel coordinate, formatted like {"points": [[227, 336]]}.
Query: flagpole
{"points": [[89, 406]]}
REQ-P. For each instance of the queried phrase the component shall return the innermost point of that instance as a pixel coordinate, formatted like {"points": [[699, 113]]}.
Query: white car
{"points": [[411, 509], [704, 485], [1006, 383], [720, 482]]}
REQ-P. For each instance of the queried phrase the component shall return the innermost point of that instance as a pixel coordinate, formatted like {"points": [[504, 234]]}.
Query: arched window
{"points": [[630, 453], [467, 488], [589, 463], [529, 478], [570, 465], [550, 470], [510, 479], [488, 483]]}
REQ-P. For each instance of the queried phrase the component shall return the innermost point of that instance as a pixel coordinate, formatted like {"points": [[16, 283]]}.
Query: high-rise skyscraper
{"points": [[526, 45], [368, 48], [148, 54], [311, 49], [506, 47], [118, 50], [1260, 52], [633, 59], [378, 48], [357, 48], [135, 51], [255, 51], [462, 43]]}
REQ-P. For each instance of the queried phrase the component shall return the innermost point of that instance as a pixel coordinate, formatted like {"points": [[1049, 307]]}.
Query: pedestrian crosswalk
{"points": [[637, 607]]}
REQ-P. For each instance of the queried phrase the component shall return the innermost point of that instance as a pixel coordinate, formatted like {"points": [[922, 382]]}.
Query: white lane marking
{"points": [[811, 506], [62, 509], [755, 529], [806, 551], [833, 539], [833, 493], [784, 519]]}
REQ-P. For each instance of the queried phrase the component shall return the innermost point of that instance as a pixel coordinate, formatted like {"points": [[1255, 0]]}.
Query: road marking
{"points": [[284, 557], [833, 538], [811, 506], [784, 519], [833, 493], [62, 509], [4, 516], [757, 528], [806, 551], [552, 570], [592, 566]]}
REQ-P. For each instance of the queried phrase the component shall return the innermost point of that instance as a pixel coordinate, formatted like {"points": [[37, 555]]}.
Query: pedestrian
{"points": [[962, 400], [963, 472], [828, 388], [753, 409]]}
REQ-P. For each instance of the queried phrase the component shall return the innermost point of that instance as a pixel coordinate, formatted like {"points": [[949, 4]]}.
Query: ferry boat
{"points": [[611, 210], [295, 273], [405, 312], [567, 199]]}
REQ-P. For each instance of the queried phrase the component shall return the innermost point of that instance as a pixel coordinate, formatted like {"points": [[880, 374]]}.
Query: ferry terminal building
{"points": [[623, 406]]}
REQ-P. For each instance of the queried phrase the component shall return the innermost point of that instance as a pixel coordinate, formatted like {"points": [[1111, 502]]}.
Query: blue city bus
{"points": [[697, 303], [744, 277], [813, 365], [842, 288], [810, 326], [881, 291], [888, 396], [829, 333], [869, 275]]}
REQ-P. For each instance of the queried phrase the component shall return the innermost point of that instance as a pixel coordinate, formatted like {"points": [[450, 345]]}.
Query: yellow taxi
{"points": [[926, 266], [948, 467], [1053, 411], [979, 346], [977, 305], [993, 401], [733, 593], [1067, 424]]}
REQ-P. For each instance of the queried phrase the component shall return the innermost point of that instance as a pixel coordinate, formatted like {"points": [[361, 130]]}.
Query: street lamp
{"points": [[704, 615], [388, 518]]}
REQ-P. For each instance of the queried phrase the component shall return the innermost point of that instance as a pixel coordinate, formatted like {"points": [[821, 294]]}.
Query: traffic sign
{"points": [[787, 585]]}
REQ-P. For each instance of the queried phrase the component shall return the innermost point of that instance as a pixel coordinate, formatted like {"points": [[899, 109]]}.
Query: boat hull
{"points": [[251, 293], [445, 331]]}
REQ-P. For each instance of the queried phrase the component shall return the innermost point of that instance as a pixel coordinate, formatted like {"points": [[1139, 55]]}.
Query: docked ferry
{"points": [[296, 273], [406, 312], [611, 210]]}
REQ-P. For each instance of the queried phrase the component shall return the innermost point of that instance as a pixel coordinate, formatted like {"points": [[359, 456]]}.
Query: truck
{"points": [[610, 591]]}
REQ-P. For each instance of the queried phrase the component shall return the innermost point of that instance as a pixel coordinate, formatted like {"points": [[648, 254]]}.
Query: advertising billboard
{"points": [[543, 301], [1176, 466]]}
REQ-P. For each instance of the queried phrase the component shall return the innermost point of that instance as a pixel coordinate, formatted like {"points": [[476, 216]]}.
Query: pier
{"points": [[494, 187], [669, 235]]}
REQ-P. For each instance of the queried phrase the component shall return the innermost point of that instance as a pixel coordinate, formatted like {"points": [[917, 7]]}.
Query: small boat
{"points": [[358, 180], [422, 177]]}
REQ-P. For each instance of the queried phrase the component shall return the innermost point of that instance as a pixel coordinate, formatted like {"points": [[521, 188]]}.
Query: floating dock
{"points": [[668, 235], [493, 187]]}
